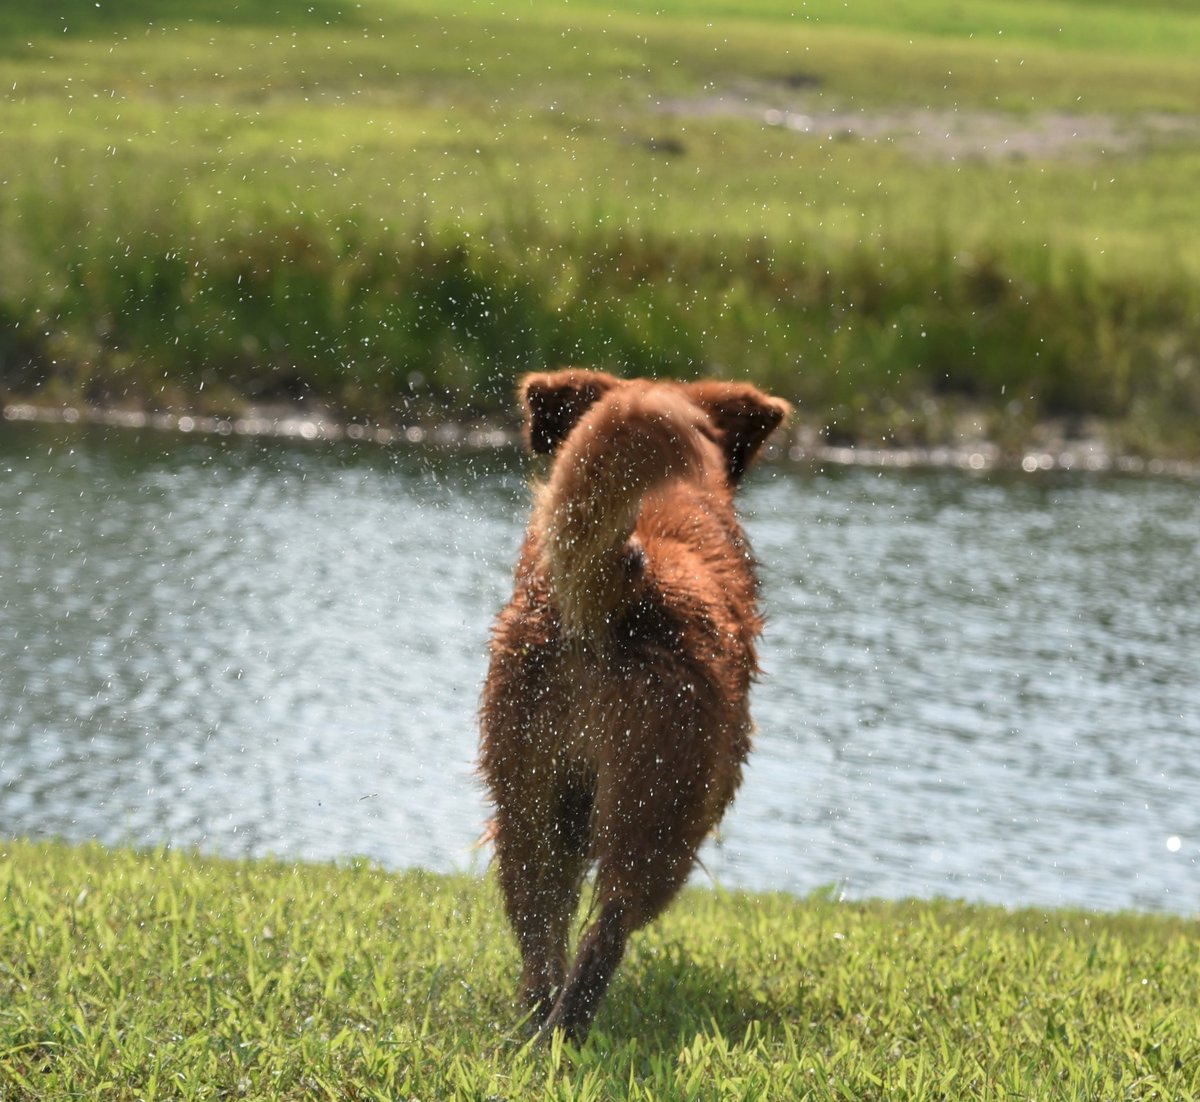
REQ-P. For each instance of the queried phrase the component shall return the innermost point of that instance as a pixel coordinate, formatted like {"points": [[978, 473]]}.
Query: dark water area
{"points": [[976, 685]]}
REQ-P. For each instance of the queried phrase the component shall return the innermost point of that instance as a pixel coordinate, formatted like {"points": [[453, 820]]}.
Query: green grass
{"points": [[160, 975], [397, 207]]}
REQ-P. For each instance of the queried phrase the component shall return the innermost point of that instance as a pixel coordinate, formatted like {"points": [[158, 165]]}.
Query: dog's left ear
{"points": [[744, 417], [556, 400]]}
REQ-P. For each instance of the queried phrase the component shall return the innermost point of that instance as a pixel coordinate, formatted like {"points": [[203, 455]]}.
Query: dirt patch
{"points": [[944, 133]]}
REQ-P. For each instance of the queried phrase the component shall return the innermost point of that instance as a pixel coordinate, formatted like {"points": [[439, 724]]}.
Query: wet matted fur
{"points": [[615, 716]]}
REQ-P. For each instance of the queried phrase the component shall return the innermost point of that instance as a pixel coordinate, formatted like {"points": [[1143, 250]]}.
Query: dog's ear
{"points": [[555, 402], [744, 417]]}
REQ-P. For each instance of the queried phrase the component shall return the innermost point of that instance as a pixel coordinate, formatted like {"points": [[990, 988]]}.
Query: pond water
{"points": [[981, 686]]}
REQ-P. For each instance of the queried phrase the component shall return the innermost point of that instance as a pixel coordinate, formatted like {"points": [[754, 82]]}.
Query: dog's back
{"points": [[615, 716]]}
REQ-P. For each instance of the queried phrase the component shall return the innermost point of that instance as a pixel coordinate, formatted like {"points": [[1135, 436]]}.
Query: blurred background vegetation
{"points": [[903, 216]]}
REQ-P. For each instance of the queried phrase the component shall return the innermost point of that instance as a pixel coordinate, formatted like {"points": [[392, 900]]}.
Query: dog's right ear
{"points": [[743, 415], [556, 400]]}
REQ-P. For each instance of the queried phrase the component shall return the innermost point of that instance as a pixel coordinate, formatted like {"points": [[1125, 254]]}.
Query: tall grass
{"points": [[397, 208], [148, 976]]}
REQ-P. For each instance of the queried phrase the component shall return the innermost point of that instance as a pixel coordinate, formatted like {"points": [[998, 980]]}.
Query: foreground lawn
{"points": [[895, 214], [142, 976]]}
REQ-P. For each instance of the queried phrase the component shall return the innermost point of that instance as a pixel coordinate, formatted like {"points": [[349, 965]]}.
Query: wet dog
{"points": [[615, 716]]}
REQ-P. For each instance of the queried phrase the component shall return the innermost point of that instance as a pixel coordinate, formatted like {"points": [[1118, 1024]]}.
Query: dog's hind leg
{"points": [[600, 951], [541, 848], [642, 866], [626, 903]]}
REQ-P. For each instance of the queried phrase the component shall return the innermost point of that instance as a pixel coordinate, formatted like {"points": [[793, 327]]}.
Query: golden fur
{"points": [[615, 715]]}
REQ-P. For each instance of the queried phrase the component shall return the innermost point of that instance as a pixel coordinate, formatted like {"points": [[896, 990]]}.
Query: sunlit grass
{"points": [[356, 201], [158, 975], [1085, 25]]}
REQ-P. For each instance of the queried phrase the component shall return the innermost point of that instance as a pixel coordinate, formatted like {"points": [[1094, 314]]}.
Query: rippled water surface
{"points": [[985, 687]]}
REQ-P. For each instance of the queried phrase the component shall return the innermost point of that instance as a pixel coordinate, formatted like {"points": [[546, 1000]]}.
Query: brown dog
{"points": [[615, 716]]}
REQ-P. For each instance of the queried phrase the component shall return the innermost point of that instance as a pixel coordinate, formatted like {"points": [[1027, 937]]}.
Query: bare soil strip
{"points": [[945, 133]]}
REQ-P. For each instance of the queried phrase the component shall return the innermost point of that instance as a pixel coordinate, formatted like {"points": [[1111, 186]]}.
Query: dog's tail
{"points": [[630, 442]]}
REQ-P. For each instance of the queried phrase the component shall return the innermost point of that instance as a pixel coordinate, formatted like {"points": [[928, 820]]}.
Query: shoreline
{"points": [[803, 446]]}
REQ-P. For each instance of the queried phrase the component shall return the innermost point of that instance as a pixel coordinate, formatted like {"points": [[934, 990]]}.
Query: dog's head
{"points": [[741, 416]]}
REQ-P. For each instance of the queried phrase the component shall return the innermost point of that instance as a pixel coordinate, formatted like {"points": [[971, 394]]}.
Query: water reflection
{"points": [[999, 675], [975, 686]]}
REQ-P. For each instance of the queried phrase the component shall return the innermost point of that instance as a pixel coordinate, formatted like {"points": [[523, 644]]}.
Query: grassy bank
{"points": [[890, 214], [130, 976]]}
